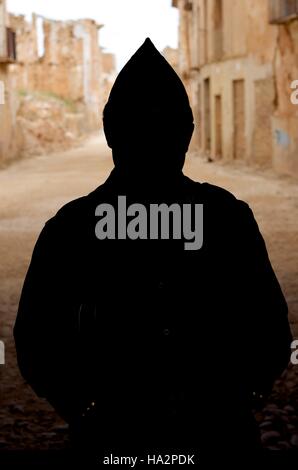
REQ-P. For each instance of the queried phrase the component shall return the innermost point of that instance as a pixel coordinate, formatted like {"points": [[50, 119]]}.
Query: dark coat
{"points": [[158, 337]]}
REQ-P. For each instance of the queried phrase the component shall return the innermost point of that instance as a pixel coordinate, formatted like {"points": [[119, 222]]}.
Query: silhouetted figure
{"points": [[141, 344]]}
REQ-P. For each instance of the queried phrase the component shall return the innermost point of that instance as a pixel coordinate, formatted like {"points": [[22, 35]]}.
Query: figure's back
{"points": [[164, 334], [142, 343]]}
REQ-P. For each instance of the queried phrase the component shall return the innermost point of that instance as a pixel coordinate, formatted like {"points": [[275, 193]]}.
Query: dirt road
{"points": [[32, 191]]}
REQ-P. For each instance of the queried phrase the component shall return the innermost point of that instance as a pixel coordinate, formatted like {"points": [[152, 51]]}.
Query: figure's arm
{"points": [[44, 337], [269, 335]]}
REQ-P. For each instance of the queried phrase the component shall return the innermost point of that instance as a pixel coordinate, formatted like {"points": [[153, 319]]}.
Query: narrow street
{"points": [[31, 191]]}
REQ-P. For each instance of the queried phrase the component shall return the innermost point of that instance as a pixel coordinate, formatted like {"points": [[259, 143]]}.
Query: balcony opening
{"points": [[218, 29], [205, 29], [282, 11], [239, 119], [199, 116], [11, 45], [207, 115], [218, 127]]}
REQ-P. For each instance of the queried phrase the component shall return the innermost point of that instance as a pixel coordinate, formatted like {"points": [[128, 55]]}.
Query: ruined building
{"points": [[62, 59], [171, 56], [109, 74], [238, 59], [8, 145], [55, 78]]}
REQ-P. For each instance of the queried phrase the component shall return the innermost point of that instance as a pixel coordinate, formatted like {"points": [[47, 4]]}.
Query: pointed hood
{"points": [[148, 80], [148, 104]]}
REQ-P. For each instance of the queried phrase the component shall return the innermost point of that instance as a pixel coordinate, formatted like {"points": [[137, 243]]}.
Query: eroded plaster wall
{"points": [[8, 102], [238, 68], [70, 64]]}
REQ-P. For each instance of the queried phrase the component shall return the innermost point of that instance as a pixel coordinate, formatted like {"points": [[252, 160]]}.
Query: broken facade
{"points": [[8, 141], [109, 73], [56, 89], [238, 59], [62, 59], [171, 56]]}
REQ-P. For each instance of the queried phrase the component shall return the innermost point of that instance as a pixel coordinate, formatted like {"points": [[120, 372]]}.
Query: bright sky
{"points": [[127, 22]]}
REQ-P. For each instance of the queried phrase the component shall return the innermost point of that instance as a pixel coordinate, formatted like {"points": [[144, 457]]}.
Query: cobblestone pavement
{"points": [[31, 191]]}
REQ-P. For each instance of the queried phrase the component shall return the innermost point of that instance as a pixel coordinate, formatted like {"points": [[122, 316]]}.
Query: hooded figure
{"points": [[138, 343], [148, 121]]}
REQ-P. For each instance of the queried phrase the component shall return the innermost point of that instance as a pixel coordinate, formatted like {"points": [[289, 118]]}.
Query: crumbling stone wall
{"points": [[8, 104], [109, 74], [8, 121], [171, 55], [285, 116], [56, 90], [70, 66], [2, 28], [228, 43]]}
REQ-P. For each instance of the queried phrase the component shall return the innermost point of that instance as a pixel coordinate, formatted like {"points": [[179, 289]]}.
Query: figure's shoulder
{"points": [[212, 193], [77, 210], [220, 201], [218, 194]]}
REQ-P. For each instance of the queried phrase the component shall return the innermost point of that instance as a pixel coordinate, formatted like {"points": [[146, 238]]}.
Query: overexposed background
{"points": [[127, 22]]}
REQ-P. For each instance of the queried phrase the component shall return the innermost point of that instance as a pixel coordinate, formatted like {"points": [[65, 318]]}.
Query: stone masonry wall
{"points": [[236, 62], [56, 90]]}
